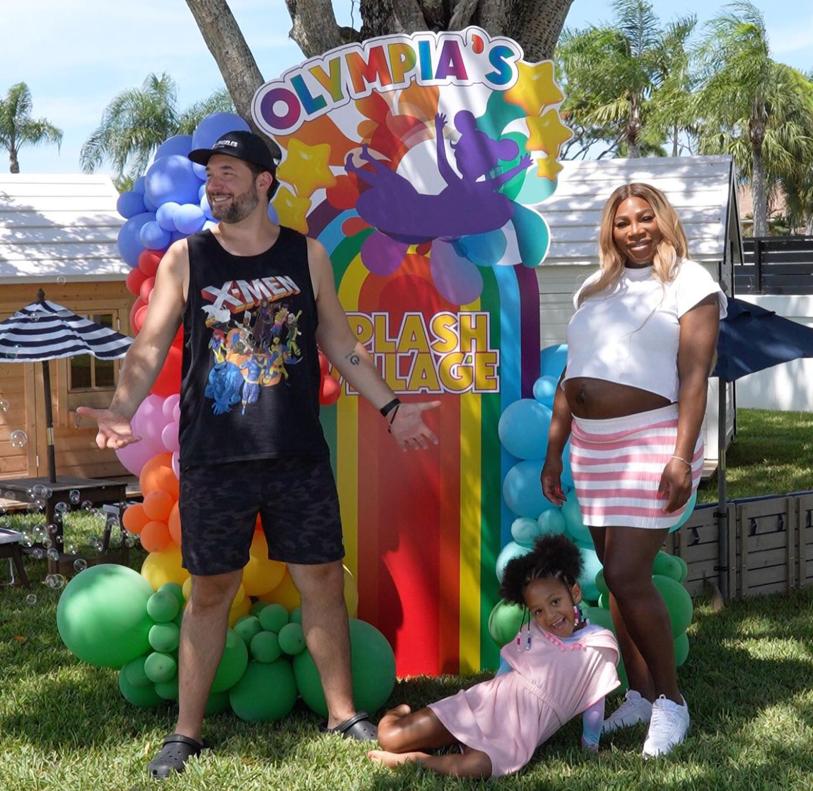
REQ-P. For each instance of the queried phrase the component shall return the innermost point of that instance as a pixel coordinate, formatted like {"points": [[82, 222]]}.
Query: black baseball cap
{"points": [[241, 145]]}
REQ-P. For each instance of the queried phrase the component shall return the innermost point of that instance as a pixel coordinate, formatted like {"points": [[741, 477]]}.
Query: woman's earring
{"points": [[579, 618]]}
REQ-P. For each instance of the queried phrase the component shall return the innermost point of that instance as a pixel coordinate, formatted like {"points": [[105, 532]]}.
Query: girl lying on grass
{"points": [[557, 667]]}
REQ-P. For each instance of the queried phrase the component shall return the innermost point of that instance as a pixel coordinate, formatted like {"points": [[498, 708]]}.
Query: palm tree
{"points": [[752, 107], [616, 77], [17, 127], [138, 120]]}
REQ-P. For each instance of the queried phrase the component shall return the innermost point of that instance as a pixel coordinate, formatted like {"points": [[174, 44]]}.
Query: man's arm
{"points": [[146, 356], [352, 360]]}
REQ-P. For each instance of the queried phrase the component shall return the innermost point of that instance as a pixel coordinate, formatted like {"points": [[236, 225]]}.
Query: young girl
{"points": [[557, 667]]}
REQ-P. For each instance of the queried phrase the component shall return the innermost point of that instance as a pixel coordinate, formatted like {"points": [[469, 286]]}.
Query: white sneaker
{"points": [[633, 710], [667, 728]]}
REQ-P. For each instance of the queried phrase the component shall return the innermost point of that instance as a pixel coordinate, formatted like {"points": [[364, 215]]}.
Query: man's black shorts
{"points": [[295, 497]]}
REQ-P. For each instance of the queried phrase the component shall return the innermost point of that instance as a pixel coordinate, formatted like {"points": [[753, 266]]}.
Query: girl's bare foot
{"points": [[395, 759]]}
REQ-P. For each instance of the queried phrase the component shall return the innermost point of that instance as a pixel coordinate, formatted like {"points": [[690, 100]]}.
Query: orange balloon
{"points": [[157, 505], [134, 518], [157, 475], [174, 524], [155, 536]]}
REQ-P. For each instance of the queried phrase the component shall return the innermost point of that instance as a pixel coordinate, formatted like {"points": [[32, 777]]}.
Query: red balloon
{"points": [[139, 303], [177, 341], [137, 321], [168, 381], [324, 363], [146, 288], [148, 262], [330, 391], [134, 281]]}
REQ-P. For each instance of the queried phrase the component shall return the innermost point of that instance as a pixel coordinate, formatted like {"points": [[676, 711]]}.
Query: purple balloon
{"points": [[456, 278], [176, 465], [177, 144], [169, 437], [214, 126], [381, 254], [168, 407], [148, 421]]}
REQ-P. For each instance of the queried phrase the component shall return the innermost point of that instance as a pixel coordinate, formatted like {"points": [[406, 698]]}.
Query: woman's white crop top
{"points": [[629, 334]]}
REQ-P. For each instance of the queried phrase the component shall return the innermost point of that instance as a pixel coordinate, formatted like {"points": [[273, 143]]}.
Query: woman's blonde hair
{"points": [[670, 251]]}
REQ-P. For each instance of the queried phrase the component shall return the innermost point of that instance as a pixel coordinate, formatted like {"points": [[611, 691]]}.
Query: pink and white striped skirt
{"points": [[617, 465]]}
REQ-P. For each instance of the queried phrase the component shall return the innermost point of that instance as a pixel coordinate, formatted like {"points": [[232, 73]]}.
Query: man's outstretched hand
{"points": [[408, 428], [115, 430]]}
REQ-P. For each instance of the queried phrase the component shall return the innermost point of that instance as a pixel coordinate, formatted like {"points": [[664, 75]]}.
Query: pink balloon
{"points": [[455, 277], [169, 437], [382, 255], [148, 422], [170, 402], [176, 413], [135, 455], [176, 465]]}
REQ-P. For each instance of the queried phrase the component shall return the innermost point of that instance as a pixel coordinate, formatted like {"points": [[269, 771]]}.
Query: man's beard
{"points": [[239, 208]]}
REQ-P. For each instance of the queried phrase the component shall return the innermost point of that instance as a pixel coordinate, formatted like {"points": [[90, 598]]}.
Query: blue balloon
{"points": [[575, 526], [208, 225], [545, 390], [214, 126], [200, 172], [171, 179], [201, 191], [165, 215], [175, 235], [587, 579], [525, 531], [138, 186], [205, 207], [189, 218], [153, 236], [148, 201], [130, 203], [523, 428], [552, 360], [567, 471], [272, 214], [551, 522], [507, 554], [522, 490], [177, 144], [129, 241], [686, 514], [483, 249]]}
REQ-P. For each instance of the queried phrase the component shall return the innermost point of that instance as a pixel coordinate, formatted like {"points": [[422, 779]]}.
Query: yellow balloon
{"points": [[285, 593], [237, 611], [239, 596], [351, 592], [187, 588], [261, 575], [165, 566]]}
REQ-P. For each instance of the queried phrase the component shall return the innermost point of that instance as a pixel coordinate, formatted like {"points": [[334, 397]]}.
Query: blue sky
{"points": [[77, 55]]}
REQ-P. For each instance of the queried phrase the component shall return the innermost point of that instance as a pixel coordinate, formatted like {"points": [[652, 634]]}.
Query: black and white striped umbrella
{"points": [[47, 331]]}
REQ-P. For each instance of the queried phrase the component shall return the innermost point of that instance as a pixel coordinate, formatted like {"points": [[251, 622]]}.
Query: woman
{"points": [[633, 395]]}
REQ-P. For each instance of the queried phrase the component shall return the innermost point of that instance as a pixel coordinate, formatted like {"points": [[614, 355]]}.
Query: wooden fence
{"points": [[769, 547], [775, 265]]}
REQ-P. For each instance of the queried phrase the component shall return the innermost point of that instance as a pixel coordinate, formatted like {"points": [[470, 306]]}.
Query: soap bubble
{"points": [[75, 497], [80, 564], [18, 438]]}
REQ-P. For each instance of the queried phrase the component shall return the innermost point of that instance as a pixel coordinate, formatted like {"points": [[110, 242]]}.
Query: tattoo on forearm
{"points": [[353, 358]]}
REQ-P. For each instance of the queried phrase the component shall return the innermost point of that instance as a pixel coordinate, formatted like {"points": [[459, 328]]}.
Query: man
{"points": [[251, 445]]}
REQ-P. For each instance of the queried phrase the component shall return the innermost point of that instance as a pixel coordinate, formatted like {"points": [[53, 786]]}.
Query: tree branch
{"points": [[462, 14], [315, 29]]}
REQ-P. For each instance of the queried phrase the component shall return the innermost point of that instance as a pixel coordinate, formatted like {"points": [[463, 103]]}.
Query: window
{"points": [[85, 372]]}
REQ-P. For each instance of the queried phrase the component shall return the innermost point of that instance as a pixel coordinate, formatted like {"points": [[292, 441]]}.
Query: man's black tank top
{"points": [[250, 376]]}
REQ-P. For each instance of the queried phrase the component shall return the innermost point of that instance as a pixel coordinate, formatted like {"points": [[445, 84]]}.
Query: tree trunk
{"points": [[633, 129], [14, 165], [315, 29], [759, 196], [675, 148]]}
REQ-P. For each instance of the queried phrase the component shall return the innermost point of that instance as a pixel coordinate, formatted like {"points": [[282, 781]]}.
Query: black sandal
{"points": [[176, 750], [358, 727]]}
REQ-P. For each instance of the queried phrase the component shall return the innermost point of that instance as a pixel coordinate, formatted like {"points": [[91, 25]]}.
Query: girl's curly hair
{"points": [[552, 556]]}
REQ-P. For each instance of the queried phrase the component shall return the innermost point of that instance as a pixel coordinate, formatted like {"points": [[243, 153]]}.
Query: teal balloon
{"points": [[523, 429], [247, 627], [677, 601], [292, 639], [134, 673], [265, 693], [160, 667], [264, 647], [668, 565], [273, 617], [551, 522], [604, 601], [483, 249], [504, 621], [168, 690], [372, 666], [232, 665], [163, 606], [296, 616], [164, 637], [522, 490], [587, 579], [686, 513], [216, 703], [574, 525], [681, 649], [552, 360], [533, 237], [510, 551], [525, 531], [601, 583], [598, 616], [175, 589], [102, 615], [545, 390], [258, 607], [143, 697]]}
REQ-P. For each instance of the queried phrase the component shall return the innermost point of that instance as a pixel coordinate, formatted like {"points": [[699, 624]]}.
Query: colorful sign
{"points": [[420, 163]]}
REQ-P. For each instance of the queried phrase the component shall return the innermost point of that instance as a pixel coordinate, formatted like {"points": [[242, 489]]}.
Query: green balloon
{"points": [[232, 665], [163, 606], [681, 649], [258, 607], [601, 583], [292, 639], [504, 622], [144, 697], [273, 617], [134, 673], [247, 627], [296, 615], [604, 601], [168, 690], [372, 666], [265, 693], [175, 589], [102, 615], [160, 667], [574, 524], [598, 616], [164, 637], [217, 702], [684, 568], [666, 565], [677, 601], [265, 647]]}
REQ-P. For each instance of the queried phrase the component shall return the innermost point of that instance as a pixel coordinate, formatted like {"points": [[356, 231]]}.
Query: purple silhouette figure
{"points": [[468, 204]]}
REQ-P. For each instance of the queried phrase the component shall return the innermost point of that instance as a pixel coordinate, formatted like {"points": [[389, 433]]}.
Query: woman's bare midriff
{"points": [[598, 399]]}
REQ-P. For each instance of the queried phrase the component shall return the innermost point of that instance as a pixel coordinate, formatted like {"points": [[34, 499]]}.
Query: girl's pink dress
{"points": [[509, 716]]}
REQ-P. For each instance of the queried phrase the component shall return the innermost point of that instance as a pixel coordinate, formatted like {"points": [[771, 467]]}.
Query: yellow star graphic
{"points": [[547, 133], [291, 210], [548, 168], [306, 167], [534, 88]]}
